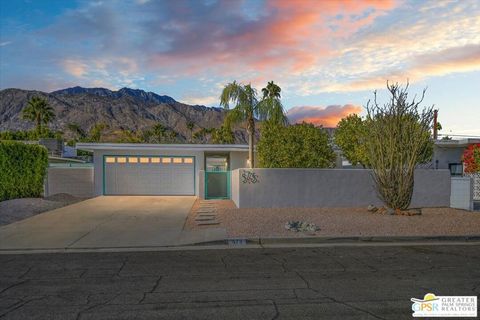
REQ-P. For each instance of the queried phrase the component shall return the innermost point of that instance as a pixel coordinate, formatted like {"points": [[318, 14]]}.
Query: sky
{"points": [[327, 56]]}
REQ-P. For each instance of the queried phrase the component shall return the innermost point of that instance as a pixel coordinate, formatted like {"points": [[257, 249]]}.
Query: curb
{"points": [[332, 240]]}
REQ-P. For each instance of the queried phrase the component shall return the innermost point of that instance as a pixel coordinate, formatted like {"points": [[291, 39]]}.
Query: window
{"points": [[155, 160], [166, 160], [110, 159], [121, 160], [187, 160], [132, 159], [216, 163], [177, 160], [144, 160]]}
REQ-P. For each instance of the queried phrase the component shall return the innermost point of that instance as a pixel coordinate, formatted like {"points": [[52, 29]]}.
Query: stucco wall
{"points": [[234, 185], [462, 193], [75, 181], [445, 156], [330, 188], [238, 159], [98, 163]]}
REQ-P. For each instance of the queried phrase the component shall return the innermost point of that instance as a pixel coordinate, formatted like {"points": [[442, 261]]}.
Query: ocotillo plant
{"points": [[398, 140]]}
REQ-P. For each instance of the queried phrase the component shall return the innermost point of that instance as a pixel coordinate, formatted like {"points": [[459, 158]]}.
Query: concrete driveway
{"points": [[108, 222]]}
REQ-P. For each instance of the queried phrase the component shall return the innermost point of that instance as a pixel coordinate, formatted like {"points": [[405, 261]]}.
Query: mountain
{"points": [[129, 109]]}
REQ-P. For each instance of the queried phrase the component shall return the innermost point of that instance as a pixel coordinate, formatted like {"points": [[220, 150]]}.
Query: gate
{"points": [[217, 185]]}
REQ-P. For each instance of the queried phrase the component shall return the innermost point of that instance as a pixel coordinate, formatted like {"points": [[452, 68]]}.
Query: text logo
{"points": [[444, 306]]}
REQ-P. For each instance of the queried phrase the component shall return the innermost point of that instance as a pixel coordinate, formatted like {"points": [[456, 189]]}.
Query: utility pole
{"points": [[435, 124]]}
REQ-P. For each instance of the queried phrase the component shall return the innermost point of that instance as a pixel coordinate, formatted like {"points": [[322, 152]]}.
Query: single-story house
{"points": [[165, 169], [447, 154]]}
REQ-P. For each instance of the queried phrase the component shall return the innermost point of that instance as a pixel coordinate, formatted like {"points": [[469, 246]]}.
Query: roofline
{"points": [[147, 146], [456, 143]]}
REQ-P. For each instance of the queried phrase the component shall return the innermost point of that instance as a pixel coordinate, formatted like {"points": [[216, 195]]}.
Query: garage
{"points": [[148, 175]]}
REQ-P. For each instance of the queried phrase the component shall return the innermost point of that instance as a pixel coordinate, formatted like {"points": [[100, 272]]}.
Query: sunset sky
{"points": [[327, 56]]}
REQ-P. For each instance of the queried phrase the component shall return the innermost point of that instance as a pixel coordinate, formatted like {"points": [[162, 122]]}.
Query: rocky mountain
{"points": [[128, 109]]}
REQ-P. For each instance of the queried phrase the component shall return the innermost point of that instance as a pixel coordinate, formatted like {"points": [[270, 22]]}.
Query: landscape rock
{"points": [[301, 226]]}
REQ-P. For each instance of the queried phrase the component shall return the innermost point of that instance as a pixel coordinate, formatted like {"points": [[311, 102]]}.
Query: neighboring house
{"points": [[57, 148], [448, 154], [165, 169]]}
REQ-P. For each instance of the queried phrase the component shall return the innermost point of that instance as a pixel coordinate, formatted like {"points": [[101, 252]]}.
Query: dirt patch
{"points": [[344, 222], [19, 209]]}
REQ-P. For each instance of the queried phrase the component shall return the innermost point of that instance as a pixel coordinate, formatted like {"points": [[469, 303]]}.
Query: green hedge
{"points": [[22, 170]]}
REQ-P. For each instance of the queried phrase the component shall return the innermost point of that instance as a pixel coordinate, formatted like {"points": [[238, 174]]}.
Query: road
{"points": [[351, 282]]}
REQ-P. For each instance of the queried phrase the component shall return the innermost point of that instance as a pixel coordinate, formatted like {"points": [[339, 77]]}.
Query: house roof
{"points": [[456, 143], [146, 146]]}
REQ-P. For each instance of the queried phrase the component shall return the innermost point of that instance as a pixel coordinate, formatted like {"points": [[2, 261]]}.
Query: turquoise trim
{"points": [[152, 155], [228, 177]]}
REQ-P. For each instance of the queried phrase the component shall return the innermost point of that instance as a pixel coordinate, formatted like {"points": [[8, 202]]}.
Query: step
{"points": [[206, 211], [208, 223]]}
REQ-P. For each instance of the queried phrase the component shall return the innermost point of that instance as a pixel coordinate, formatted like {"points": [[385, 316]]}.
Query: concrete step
{"points": [[208, 223], [205, 218], [206, 211]]}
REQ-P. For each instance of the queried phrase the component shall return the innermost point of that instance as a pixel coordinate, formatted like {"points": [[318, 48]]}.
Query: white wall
{"points": [[76, 181], [238, 159], [445, 156], [330, 188], [462, 193]]}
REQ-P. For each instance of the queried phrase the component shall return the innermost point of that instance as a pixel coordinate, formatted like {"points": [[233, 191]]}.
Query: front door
{"points": [[217, 176]]}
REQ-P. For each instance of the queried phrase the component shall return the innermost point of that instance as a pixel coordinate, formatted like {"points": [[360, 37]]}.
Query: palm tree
{"points": [[271, 106], [247, 107], [39, 111], [190, 126], [159, 131]]}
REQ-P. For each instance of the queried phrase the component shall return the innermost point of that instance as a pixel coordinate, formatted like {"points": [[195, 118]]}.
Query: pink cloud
{"points": [[325, 116], [292, 36]]}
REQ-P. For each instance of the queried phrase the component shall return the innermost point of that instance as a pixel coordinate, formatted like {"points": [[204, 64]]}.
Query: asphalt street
{"points": [[369, 282]]}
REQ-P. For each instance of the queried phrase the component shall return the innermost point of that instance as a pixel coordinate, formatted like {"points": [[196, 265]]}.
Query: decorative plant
{"points": [[398, 139], [295, 146], [471, 158]]}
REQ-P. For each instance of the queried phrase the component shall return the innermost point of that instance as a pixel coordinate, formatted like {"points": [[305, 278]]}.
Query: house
{"points": [[447, 154], [165, 169]]}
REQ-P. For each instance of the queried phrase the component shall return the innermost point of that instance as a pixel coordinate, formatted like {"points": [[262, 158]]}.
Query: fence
{"points": [[476, 184], [267, 188], [76, 180]]}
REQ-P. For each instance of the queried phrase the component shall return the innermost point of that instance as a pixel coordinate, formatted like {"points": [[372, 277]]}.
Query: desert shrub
{"points": [[398, 140], [22, 170], [295, 146]]}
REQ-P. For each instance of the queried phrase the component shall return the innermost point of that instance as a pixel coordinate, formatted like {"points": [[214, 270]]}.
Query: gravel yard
{"points": [[19, 209], [341, 222]]}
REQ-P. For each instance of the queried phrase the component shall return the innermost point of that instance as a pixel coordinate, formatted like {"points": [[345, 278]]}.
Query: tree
{"points": [[223, 135], [39, 111], [296, 146], [270, 107], [398, 139], [79, 133], [471, 158], [96, 132], [190, 126], [350, 136], [246, 108]]}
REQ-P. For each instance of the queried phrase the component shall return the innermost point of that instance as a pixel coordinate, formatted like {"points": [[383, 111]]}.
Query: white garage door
{"points": [[149, 175]]}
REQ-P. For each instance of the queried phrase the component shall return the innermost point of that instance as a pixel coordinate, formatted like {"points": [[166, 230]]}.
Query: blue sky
{"points": [[328, 56]]}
